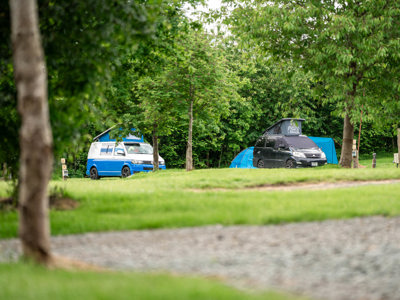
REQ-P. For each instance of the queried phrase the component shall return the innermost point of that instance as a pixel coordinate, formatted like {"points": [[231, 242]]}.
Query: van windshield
{"points": [[138, 148], [300, 142]]}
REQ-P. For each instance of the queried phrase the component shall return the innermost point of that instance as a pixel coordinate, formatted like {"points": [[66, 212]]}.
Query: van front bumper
{"points": [[309, 162], [144, 167]]}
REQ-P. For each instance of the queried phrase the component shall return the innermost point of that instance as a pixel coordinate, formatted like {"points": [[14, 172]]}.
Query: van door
{"points": [[257, 152], [268, 153], [118, 160], [105, 161], [281, 153]]}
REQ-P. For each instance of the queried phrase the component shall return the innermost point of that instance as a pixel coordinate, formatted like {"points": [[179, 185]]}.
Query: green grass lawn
{"points": [[24, 281], [175, 198]]}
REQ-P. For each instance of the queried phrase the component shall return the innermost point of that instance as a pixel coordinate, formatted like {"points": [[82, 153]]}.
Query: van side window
{"points": [[106, 149], [270, 143], [280, 143], [277, 129], [119, 151], [260, 142]]}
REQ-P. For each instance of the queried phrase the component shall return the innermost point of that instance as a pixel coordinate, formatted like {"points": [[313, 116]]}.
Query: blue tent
{"points": [[328, 146], [244, 159]]}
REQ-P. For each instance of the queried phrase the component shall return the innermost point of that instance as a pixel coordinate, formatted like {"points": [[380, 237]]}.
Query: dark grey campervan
{"points": [[283, 145]]}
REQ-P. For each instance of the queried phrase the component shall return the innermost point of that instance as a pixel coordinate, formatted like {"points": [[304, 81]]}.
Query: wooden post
{"points": [[64, 169], [374, 160], [396, 159]]}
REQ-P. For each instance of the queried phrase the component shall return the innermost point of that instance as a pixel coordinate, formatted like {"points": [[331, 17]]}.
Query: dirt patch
{"points": [[65, 263], [62, 203], [306, 186], [7, 204]]}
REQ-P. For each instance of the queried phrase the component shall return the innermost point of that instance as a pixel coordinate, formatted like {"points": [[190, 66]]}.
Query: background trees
{"points": [[182, 77], [280, 65], [66, 64], [351, 48], [203, 83], [79, 63]]}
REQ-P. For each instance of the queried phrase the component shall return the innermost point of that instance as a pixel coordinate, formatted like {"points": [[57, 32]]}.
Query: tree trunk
{"points": [[398, 140], [347, 145], [155, 147], [5, 171], [220, 156], [35, 132], [189, 150]]}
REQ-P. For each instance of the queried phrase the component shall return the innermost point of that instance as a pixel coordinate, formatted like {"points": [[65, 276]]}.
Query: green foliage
{"points": [[81, 40], [348, 46], [270, 92], [140, 96], [41, 283], [157, 82], [140, 63], [9, 119]]}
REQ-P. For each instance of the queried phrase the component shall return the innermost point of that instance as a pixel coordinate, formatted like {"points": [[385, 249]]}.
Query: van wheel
{"points": [[260, 164], [94, 175], [290, 164], [125, 172]]}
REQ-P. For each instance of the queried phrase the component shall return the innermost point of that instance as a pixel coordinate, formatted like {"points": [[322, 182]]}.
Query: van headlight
{"points": [[137, 162], [323, 155], [298, 154], [161, 162]]}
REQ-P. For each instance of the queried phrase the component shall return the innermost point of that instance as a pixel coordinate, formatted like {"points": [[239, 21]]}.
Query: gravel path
{"points": [[344, 259]]}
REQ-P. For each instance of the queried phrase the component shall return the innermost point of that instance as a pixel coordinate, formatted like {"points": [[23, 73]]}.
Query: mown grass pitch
{"points": [[176, 198], [25, 281]]}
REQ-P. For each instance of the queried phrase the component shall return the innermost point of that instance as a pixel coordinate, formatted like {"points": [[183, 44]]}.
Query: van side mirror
{"points": [[120, 152]]}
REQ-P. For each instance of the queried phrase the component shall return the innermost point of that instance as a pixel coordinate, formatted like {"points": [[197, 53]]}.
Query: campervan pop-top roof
{"points": [[105, 137], [286, 126]]}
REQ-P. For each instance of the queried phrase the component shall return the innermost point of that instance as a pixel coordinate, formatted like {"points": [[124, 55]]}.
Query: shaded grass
{"points": [[25, 281]]}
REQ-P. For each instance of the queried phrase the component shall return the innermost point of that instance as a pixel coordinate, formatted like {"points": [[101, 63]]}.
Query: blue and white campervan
{"points": [[106, 157]]}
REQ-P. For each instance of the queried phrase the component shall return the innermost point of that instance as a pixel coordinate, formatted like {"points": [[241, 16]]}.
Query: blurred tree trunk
{"points": [[35, 133]]}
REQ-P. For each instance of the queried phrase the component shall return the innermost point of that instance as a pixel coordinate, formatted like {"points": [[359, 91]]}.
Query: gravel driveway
{"points": [[344, 259]]}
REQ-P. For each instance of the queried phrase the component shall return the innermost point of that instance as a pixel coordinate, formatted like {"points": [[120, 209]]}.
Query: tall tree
{"points": [[347, 45], [180, 77], [35, 133], [140, 95], [202, 81]]}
